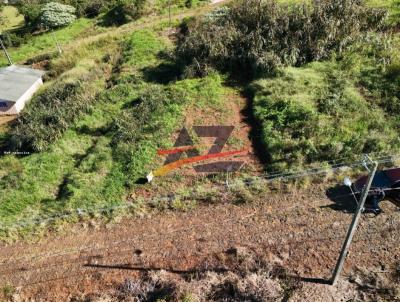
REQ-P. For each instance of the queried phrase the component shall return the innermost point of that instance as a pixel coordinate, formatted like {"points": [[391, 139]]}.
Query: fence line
{"points": [[79, 213]]}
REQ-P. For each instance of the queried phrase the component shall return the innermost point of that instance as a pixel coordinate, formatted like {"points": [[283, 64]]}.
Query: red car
{"points": [[385, 185]]}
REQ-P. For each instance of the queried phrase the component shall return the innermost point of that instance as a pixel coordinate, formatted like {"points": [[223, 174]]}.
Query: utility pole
{"points": [[353, 225], [5, 51], [169, 12], [55, 40]]}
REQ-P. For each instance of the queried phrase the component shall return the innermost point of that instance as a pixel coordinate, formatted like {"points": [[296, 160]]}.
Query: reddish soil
{"points": [[300, 232]]}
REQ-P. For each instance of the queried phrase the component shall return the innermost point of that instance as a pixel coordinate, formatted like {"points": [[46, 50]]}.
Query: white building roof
{"points": [[15, 81]]}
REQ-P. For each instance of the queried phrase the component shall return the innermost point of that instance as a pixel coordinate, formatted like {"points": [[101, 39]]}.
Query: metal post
{"points": [[5, 51], [55, 40], [353, 226], [169, 12]]}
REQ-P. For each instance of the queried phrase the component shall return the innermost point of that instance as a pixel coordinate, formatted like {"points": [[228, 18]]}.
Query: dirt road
{"points": [[299, 231]]}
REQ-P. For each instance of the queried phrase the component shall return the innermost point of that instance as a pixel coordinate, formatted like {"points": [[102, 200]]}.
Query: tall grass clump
{"points": [[124, 11], [316, 114], [51, 113], [144, 127], [255, 37]]}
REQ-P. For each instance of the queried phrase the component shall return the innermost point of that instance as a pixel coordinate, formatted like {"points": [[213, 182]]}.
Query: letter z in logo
{"points": [[184, 144]]}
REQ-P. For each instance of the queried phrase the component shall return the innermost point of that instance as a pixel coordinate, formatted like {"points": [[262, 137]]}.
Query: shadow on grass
{"points": [[141, 181], [163, 73], [63, 192], [79, 158], [166, 72], [256, 136], [100, 131]]}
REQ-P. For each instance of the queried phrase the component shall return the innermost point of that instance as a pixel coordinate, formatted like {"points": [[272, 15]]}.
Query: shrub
{"points": [[50, 114], [94, 8], [124, 11], [13, 40], [54, 15], [31, 10], [141, 129], [89, 8], [258, 36]]}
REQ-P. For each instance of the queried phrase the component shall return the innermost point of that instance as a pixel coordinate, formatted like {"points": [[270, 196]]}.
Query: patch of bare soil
{"points": [[228, 113], [284, 247], [4, 119]]}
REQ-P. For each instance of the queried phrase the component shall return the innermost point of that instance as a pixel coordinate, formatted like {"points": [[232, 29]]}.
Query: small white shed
{"points": [[17, 86]]}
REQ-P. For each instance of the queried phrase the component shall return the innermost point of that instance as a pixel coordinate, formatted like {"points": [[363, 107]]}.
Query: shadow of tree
{"points": [[163, 73], [169, 70]]}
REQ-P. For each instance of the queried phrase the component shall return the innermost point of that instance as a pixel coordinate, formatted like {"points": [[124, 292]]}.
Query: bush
{"points": [[89, 8], [13, 40], [31, 10], [94, 8], [258, 36], [54, 15], [49, 115], [124, 11], [141, 129]]}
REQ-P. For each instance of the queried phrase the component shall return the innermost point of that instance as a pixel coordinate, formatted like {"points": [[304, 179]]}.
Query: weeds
{"points": [[254, 37], [94, 154], [8, 291], [256, 284], [315, 114]]}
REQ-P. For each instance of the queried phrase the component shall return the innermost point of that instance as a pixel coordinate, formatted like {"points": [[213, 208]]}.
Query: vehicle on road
{"points": [[385, 185]]}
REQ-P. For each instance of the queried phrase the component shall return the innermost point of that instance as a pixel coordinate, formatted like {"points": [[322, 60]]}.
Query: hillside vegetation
{"points": [[116, 95], [89, 156], [308, 113], [255, 37], [9, 18]]}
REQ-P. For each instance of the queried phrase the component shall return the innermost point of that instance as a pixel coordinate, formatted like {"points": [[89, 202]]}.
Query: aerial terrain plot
{"points": [[201, 151]]}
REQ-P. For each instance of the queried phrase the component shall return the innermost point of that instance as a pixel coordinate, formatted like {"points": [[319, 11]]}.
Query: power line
{"points": [[185, 229], [114, 244], [124, 241], [267, 178], [275, 245], [95, 248]]}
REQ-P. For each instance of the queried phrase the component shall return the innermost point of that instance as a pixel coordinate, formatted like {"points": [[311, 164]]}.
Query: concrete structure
{"points": [[17, 85]]}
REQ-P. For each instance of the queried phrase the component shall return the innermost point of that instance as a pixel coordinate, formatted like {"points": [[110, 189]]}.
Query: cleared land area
{"points": [[298, 234]]}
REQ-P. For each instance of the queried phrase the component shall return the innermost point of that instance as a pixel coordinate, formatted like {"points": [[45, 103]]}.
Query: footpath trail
{"points": [[300, 232]]}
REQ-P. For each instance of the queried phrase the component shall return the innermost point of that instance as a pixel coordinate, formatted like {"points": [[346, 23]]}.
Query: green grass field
{"points": [[46, 43], [316, 113], [89, 167], [11, 18], [136, 100], [340, 108]]}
